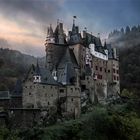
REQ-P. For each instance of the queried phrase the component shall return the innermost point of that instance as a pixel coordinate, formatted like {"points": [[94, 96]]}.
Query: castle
{"points": [[78, 70]]}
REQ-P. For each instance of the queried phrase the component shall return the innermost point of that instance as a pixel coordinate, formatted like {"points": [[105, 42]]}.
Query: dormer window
{"points": [[37, 79]]}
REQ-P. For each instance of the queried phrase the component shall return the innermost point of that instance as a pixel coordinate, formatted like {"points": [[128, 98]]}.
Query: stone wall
{"points": [[73, 101], [39, 95], [113, 77], [99, 67], [20, 118]]}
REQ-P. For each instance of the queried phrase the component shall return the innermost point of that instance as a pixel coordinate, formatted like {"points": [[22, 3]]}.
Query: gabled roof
{"points": [[89, 38], [37, 69], [46, 77], [4, 95], [68, 75], [68, 57]]}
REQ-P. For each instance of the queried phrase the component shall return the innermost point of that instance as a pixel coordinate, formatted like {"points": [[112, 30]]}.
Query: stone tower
{"points": [[50, 40]]}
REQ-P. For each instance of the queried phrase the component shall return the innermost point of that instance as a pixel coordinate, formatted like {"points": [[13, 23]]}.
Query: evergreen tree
{"points": [[127, 30], [122, 31]]}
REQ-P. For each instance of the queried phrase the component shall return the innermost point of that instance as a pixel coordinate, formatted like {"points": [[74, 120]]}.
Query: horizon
{"points": [[24, 23]]}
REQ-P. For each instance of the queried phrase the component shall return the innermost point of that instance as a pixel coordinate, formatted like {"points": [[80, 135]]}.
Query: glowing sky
{"points": [[23, 22]]}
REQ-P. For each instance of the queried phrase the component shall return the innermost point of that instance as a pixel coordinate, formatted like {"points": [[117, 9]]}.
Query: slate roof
{"points": [[46, 77], [68, 75], [4, 95], [58, 53], [110, 51], [68, 57], [17, 92], [92, 39], [95, 40], [37, 69], [100, 49]]}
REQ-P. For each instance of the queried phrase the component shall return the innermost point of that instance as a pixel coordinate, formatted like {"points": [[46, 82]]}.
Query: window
{"points": [[61, 90], [105, 69], [113, 70], [96, 67], [114, 77], [71, 89], [108, 71], [29, 93], [117, 71], [99, 76], [48, 103], [100, 68], [72, 99], [117, 78]]}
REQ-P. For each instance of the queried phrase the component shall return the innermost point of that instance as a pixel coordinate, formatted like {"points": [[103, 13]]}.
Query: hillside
{"points": [[128, 41], [130, 67], [13, 65], [110, 122]]}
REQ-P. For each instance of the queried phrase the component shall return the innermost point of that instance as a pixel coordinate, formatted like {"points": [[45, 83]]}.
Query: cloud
{"points": [[25, 47], [38, 10], [24, 22]]}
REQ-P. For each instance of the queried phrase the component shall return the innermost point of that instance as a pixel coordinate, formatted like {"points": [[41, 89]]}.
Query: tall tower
{"points": [[60, 37], [50, 40]]}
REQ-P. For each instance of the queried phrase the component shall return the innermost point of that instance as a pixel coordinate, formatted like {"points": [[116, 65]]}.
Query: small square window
{"points": [[100, 68]]}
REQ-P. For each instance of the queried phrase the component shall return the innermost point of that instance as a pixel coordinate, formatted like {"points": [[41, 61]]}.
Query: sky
{"points": [[23, 23]]}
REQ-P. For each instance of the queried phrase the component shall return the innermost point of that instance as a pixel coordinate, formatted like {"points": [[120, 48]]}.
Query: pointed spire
{"points": [[37, 70], [50, 31], [105, 45], [73, 26], [74, 17], [57, 21], [98, 35], [85, 29]]}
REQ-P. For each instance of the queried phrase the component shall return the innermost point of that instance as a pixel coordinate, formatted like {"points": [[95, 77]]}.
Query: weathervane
{"points": [[74, 17]]}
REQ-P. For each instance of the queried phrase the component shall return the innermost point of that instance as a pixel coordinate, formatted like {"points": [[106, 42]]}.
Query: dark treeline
{"points": [[13, 65], [125, 31], [128, 41], [125, 37]]}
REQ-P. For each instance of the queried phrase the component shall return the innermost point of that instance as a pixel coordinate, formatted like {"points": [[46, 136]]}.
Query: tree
{"points": [[3, 87], [1, 62], [127, 30], [122, 31]]}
